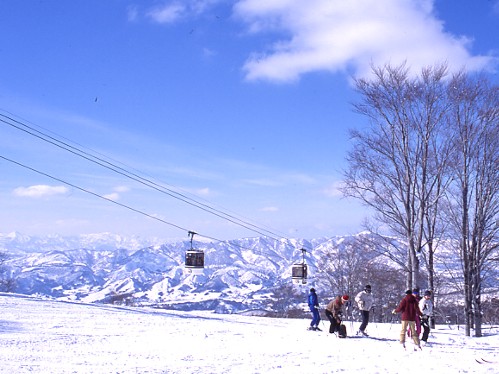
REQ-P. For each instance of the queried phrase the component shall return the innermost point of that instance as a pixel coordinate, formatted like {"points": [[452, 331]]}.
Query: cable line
{"points": [[120, 204], [91, 193], [147, 182]]}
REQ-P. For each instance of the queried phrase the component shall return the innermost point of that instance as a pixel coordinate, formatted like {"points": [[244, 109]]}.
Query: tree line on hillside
{"points": [[345, 268], [427, 165], [7, 282]]}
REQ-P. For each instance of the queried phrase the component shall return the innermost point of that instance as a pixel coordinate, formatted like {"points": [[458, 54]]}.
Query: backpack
{"points": [[342, 333]]}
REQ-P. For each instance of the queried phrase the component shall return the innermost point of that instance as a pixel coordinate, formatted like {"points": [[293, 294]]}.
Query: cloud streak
{"points": [[39, 191], [338, 35], [174, 11], [167, 13]]}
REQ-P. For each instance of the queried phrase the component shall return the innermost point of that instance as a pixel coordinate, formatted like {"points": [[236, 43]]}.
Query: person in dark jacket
{"points": [[415, 293], [334, 312], [410, 309], [313, 304]]}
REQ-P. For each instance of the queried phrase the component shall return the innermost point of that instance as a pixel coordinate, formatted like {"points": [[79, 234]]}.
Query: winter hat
{"points": [[427, 293], [368, 287], [345, 297], [312, 289], [415, 291], [408, 292]]}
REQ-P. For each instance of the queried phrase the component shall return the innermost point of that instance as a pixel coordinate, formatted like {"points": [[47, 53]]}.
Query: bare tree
{"points": [[342, 267], [348, 266], [7, 282], [393, 167], [474, 201], [284, 300]]}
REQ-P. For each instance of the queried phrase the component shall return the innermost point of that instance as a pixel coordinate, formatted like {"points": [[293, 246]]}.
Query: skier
{"points": [[415, 293], [410, 309], [334, 312], [313, 304], [426, 307], [364, 301]]}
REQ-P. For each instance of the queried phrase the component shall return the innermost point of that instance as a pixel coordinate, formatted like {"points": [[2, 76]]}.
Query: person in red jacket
{"points": [[410, 309]]}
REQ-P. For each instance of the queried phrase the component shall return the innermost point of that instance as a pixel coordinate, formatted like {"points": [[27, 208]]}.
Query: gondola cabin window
{"points": [[299, 273], [194, 261], [194, 258]]}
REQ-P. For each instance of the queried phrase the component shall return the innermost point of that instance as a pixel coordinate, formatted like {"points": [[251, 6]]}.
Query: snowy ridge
{"points": [[95, 268], [239, 275]]}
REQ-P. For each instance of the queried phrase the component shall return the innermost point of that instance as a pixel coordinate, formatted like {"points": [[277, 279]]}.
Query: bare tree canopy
{"points": [[473, 200], [427, 165], [396, 164]]}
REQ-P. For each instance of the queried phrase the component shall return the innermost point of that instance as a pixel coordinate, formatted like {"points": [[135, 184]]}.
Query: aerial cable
{"points": [[91, 193], [117, 169], [299, 271], [190, 232], [134, 176]]}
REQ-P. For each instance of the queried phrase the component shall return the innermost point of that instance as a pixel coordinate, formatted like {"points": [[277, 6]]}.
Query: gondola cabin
{"points": [[194, 258], [194, 261], [299, 273]]}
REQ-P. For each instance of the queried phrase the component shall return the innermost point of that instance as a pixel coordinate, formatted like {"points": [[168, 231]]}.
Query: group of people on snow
{"points": [[415, 313]]}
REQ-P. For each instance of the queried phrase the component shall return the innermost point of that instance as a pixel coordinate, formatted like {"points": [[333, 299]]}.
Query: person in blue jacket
{"points": [[313, 304]]}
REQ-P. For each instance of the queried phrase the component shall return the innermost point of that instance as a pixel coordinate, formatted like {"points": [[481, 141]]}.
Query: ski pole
{"points": [[323, 325], [391, 323]]}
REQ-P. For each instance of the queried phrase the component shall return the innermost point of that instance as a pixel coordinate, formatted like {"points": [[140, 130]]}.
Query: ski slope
{"points": [[45, 336]]}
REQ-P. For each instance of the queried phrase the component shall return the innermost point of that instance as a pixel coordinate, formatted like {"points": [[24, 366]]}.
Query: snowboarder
{"points": [[334, 313], [426, 307], [410, 309], [313, 304], [364, 301]]}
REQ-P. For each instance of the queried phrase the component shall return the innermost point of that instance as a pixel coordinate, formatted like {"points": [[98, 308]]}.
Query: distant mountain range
{"points": [[106, 267], [238, 275]]}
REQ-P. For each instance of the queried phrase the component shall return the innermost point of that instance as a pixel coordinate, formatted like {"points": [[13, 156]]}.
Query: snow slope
{"points": [[46, 336]]}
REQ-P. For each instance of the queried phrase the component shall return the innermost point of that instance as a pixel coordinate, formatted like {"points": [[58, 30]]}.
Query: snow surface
{"points": [[46, 336]]}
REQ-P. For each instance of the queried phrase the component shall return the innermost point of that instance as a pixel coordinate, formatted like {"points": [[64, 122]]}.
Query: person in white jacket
{"points": [[426, 307], [364, 300]]}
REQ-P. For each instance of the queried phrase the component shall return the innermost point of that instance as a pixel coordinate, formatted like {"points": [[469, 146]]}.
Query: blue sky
{"points": [[243, 105]]}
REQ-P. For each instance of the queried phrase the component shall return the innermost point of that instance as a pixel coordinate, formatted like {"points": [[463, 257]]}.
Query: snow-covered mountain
{"points": [[238, 275], [99, 268], [19, 243]]}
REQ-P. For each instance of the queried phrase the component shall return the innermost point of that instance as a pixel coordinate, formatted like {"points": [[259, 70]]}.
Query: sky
{"points": [[235, 112], [46, 336]]}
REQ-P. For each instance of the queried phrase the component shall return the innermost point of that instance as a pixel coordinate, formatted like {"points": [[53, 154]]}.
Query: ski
{"points": [[313, 329], [484, 361]]}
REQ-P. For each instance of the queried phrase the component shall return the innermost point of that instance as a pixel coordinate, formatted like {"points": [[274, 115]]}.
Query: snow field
{"points": [[44, 336]]}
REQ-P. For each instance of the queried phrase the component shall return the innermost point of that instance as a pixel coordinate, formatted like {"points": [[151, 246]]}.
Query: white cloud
{"points": [[270, 209], [38, 191], [121, 189], [112, 196], [167, 13], [116, 194], [271, 178], [335, 35], [203, 191], [333, 190], [174, 11]]}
